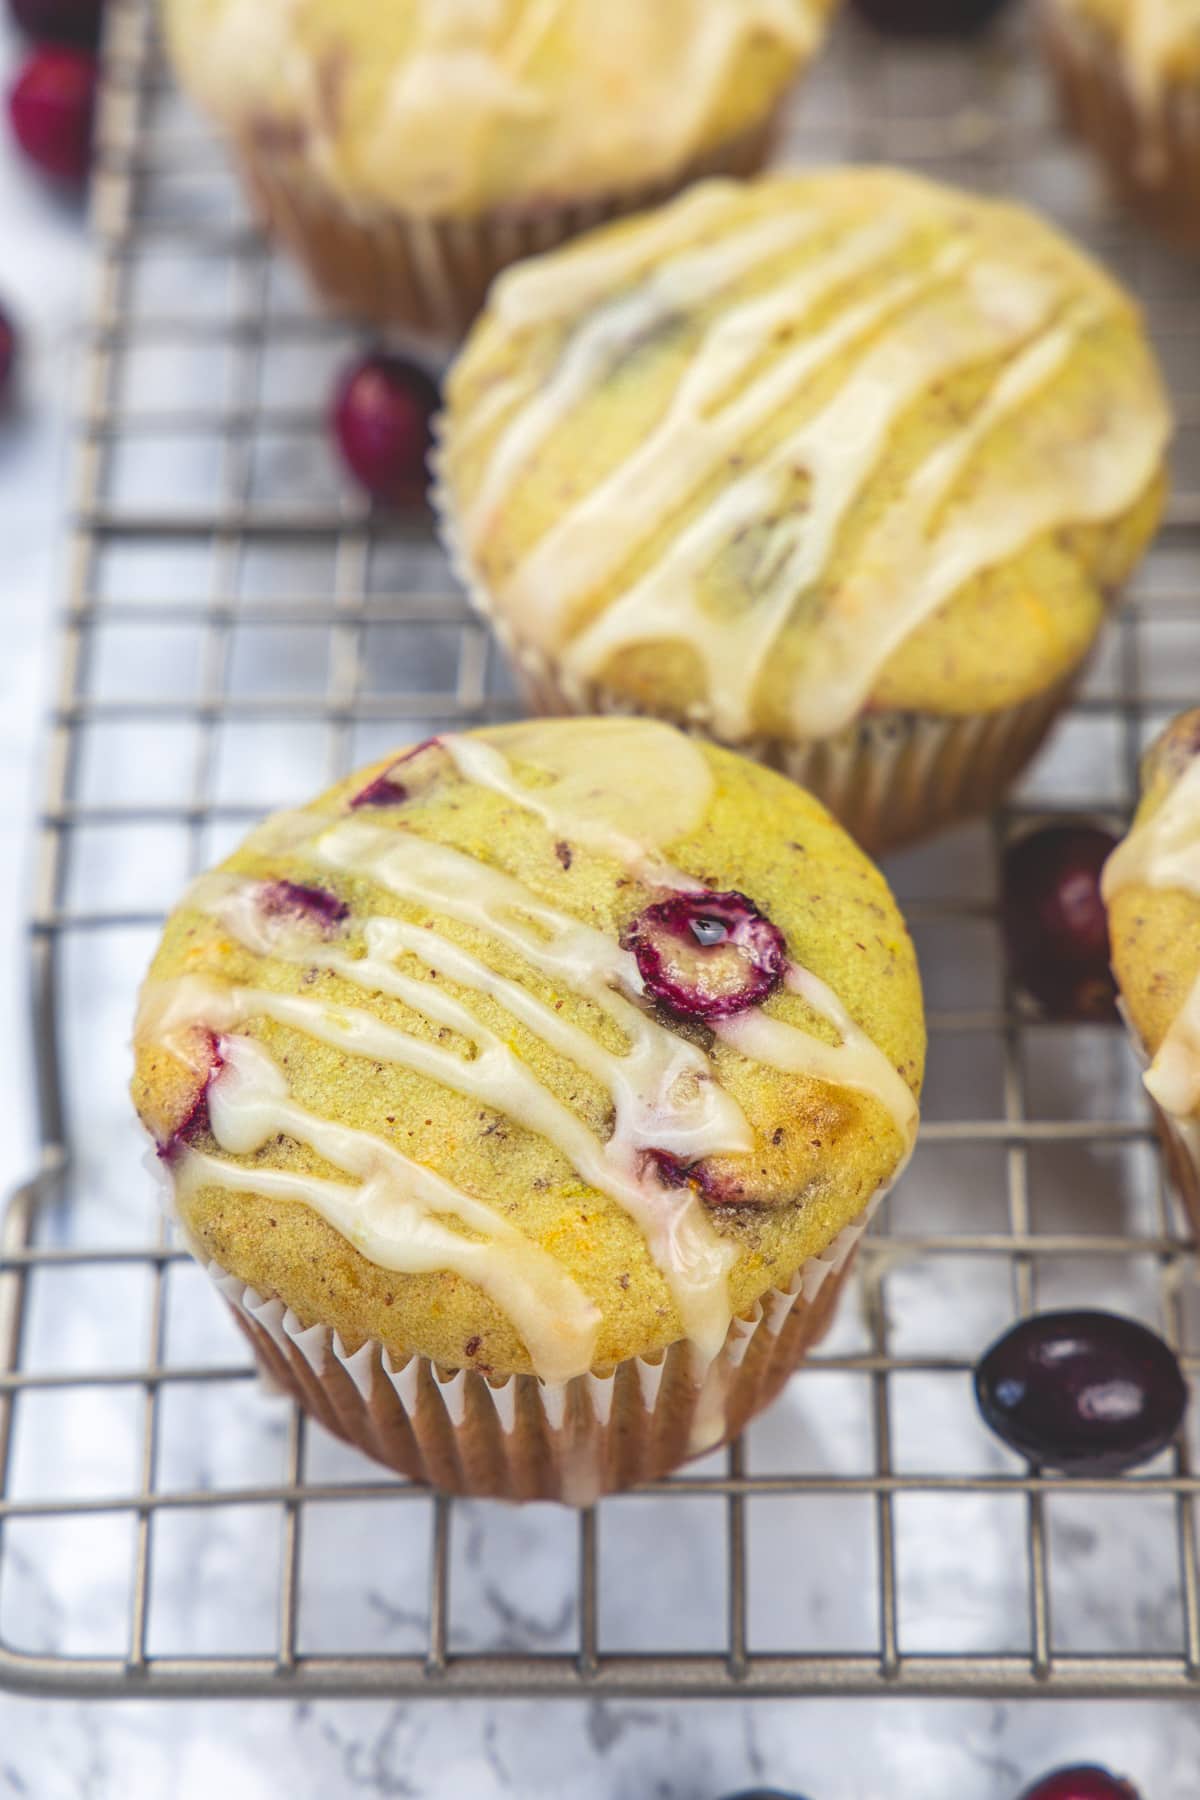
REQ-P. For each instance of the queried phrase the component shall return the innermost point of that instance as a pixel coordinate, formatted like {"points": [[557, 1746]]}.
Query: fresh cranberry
{"points": [[1086, 1392], [1082, 1783], [60, 21], [707, 955], [314, 905], [51, 106], [382, 416], [1055, 924], [195, 1119], [929, 18], [408, 775], [8, 354]]}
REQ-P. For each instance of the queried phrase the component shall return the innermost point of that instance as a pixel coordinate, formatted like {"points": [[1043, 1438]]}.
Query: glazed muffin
{"points": [[841, 469], [406, 152], [1129, 75], [1152, 889], [527, 1094]]}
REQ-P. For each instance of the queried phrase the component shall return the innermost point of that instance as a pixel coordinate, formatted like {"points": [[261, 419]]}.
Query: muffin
{"points": [[1152, 890], [1129, 75], [407, 152], [841, 469], [527, 1094]]}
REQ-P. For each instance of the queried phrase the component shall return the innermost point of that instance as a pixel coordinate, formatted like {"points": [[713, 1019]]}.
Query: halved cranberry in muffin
{"points": [[309, 905], [193, 1121], [408, 776], [706, 955]]}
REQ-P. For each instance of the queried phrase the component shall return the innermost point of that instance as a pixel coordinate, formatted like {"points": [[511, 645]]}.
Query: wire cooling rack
{"points": [[238, 630]]}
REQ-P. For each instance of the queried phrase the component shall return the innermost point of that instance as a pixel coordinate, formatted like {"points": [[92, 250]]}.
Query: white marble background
{"points": [[1116, 1588]]}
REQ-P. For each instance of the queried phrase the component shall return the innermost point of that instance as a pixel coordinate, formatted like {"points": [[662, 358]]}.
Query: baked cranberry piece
{"points": [[1088, 1783], [51, 106], [416, 770], [59, 21], [314, 905], [1055, 923], [929, 18], [1086, 1392], [383, 421], [707, 955], [195, 1119]]}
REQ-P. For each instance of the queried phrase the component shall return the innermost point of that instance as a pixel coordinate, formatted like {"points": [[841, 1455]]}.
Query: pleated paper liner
{"points": [[523, 1439], [431, 275], [1152, 158]]}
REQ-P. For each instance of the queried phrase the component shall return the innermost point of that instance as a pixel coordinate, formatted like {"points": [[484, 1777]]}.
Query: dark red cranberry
{"points": [[1082, 1783], [195, 1121], [408, 775], [1055, 924], [8, 354], [60, 21], [382, 416], [51, 106], [314, 905], [1086, 1392], [929, 18], [707, 955]]}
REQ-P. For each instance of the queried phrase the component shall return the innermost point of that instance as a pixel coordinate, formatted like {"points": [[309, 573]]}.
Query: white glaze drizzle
{"points": [[396, 1216], [975, 304], [1164, 853]]}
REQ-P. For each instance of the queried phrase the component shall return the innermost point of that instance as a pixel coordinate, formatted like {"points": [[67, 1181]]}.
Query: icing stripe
{"points": [[397, 1216], [664, 1094]]}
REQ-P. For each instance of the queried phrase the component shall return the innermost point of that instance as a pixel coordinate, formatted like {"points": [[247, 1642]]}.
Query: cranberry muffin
{"points": [[527, 1094], [843, 469]]}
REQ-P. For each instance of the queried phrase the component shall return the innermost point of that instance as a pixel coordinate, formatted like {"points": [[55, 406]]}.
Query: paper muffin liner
{"points": [[1151, 157], [431, 275], [525, 1439]]}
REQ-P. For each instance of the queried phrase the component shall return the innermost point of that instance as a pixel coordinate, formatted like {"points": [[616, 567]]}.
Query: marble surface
{"points": [[813, 1579]]}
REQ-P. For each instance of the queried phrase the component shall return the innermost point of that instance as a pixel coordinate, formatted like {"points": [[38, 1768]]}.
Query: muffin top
{"points": [[1159, 39], [790, 450], [534, 1048], [454, 106], [1152, 888]]}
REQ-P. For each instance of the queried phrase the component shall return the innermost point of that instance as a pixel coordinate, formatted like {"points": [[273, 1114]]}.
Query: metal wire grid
{"points": [[377, 580]]}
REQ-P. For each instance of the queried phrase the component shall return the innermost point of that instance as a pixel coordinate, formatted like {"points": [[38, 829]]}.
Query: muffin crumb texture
{"points": [[533, 1050]]}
